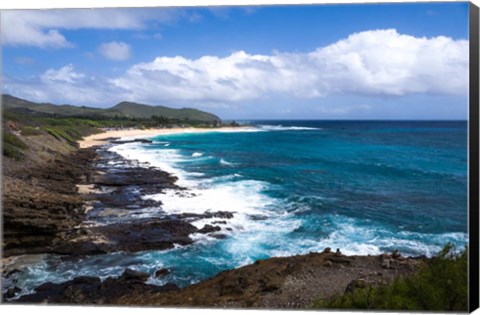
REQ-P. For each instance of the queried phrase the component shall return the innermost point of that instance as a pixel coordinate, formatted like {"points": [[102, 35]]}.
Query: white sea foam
{"points": [[223, 162], [258, 224], [283, 128], [240, 130], [243, 198], [354, 238], [197, 154], [161, 158], [246, 198]]}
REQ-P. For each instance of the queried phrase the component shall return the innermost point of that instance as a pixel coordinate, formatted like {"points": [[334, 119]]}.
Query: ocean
{"points": [[294, 187]]}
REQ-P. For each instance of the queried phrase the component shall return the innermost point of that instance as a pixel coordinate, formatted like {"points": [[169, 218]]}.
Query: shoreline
{"points": [[104, 137], [289, 282], [292, 282], [279, 282]]}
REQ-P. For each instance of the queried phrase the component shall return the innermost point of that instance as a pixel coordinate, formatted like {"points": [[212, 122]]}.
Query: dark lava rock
{"points": [[79, 248], [133, 275], [41, 203], [12, 272], [257, 217], [90, 290], [264, 284], [219, 214], [132, 236], [11, 292], [396, 254], [162, 272], [140, 176], [209, 229], [128, 197]]}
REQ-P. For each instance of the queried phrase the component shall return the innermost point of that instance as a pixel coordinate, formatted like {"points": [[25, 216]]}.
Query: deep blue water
{"points": [[405, 176], [365, 187]]}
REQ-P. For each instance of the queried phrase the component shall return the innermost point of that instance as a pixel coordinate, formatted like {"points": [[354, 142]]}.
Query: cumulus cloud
{"points": [[378, 62], [41, 28], [62, 75], [386, 62], [118, 51], [371, 63], [64, 85]]}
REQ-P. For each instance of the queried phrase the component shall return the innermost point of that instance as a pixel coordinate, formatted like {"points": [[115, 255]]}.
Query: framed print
{"points": [[253, 156]]}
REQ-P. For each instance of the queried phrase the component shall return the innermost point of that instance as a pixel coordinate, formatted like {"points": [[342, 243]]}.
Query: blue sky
{"points": [[369, 61]]}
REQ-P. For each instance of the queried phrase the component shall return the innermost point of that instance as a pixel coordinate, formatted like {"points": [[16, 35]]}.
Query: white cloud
{"points": [[118, 51], [378, 62], [389, 63], [65, 74], [41, 28], [371, 63], [64, 85]]}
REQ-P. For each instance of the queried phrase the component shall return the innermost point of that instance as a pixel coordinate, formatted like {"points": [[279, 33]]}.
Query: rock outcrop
{"points": [[287, 282]]}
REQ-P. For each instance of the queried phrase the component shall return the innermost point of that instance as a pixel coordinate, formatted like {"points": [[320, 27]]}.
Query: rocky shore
{"points": [[286, 282], [41, 206], [90, 201]]}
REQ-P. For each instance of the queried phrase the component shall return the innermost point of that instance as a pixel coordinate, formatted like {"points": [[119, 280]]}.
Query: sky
{"points": [[336, 61]]}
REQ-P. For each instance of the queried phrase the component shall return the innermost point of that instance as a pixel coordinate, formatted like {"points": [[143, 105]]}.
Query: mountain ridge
{"points": [[122, 109]]}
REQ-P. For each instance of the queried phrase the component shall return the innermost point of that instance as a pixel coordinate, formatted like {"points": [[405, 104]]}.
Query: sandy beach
{"points": [[103, 137]]}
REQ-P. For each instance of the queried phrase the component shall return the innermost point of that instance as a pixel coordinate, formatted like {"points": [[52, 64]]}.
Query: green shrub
{"points": [[9, 138], [7, 115], [440, 285], [30, 131], [13, 146], [60, 133], [12, 152]]}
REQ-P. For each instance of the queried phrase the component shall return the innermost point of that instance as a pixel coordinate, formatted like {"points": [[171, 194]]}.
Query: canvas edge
{"points": [[474, 159]]}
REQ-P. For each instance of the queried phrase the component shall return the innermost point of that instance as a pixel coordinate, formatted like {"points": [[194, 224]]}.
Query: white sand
{"points": [[100, 138]]}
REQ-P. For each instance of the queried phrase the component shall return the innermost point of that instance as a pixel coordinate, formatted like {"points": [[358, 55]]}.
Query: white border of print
{"points": [[80, 310]]}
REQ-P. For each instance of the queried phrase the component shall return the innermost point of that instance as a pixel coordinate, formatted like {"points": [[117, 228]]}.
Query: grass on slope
{"points": [[12, 146], [441, 285]]}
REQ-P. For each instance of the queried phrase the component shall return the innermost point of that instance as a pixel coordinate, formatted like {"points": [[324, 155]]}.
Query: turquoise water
{"points": [[365, 187]]}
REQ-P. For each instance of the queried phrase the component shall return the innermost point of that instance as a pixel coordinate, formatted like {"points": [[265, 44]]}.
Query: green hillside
{"points": [[122, 110], [16, 104], [130, 109]]}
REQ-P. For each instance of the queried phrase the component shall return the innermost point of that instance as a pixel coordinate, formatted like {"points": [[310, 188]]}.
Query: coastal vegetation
{"points": [[13, 147], [67, 123], [440, 285]]}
